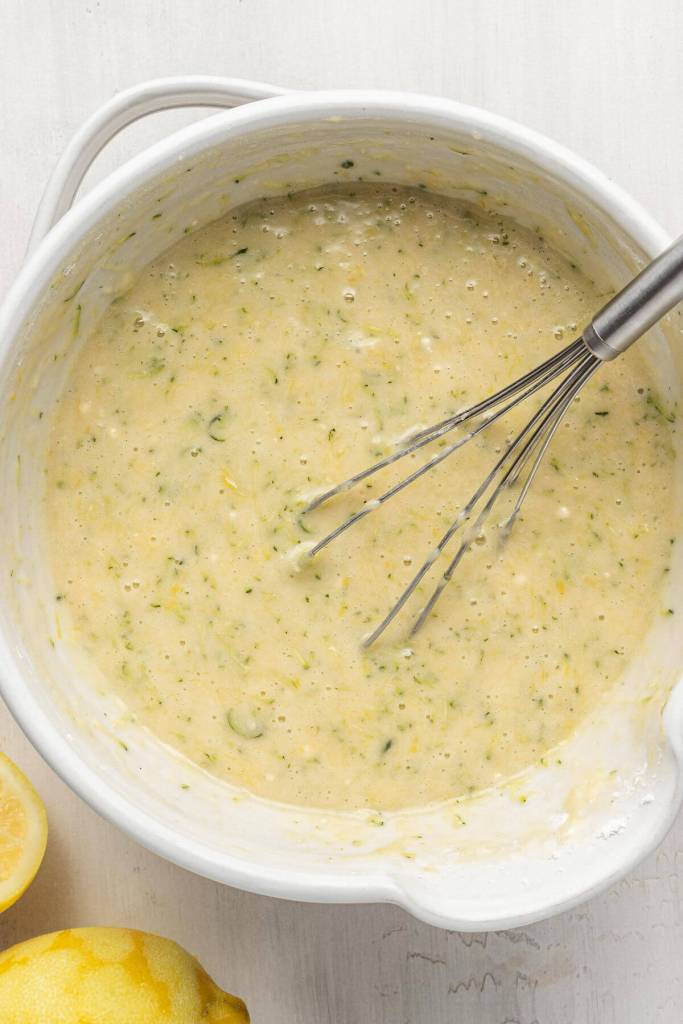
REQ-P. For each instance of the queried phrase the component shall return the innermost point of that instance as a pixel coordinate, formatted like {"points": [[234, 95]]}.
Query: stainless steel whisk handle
{"points": [[644, 301]]}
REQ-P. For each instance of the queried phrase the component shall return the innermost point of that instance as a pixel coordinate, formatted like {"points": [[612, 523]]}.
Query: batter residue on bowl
{"points": [[276, 352]]}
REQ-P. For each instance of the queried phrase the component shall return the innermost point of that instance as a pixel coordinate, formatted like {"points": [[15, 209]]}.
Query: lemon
{"points": [[109, 976], [23, 832]]}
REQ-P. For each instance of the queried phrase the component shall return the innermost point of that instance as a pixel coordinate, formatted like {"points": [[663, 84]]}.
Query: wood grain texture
{"points": [[604, 77]]}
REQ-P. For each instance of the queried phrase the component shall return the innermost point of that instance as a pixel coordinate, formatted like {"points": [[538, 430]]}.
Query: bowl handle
{"points": [[123, 109]]}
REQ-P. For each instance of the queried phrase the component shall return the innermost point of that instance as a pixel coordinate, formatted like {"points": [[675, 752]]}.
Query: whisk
{"points": [[646, 299]]}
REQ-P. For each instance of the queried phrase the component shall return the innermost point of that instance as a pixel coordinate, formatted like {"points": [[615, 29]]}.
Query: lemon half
{"points": [[23, 832]]}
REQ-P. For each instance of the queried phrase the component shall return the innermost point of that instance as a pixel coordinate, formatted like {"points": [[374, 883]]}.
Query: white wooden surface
{"points": [[606, 78]]}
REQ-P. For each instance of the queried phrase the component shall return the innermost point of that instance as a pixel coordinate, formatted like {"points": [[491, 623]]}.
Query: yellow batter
{"points": [[274, 353]]}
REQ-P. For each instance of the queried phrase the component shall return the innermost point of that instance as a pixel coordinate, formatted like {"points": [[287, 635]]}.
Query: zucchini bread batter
{"points": [[274, 353]]}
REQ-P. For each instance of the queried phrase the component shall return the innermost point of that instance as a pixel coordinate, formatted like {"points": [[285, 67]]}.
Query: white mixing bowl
{"points": [[541, 843]]}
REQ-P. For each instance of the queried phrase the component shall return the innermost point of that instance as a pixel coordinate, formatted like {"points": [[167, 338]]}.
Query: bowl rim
{"points": [[31, 281]]}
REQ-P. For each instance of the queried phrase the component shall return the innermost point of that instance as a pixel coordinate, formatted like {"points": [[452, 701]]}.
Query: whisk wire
{"points": [[555, 404], [591, 366], [538, 377], [552, 366], [574, 364], [538, 443], [566, 358]]}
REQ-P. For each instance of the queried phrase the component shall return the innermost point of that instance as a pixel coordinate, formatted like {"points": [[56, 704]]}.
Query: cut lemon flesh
{"points": [[23, 832]]}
